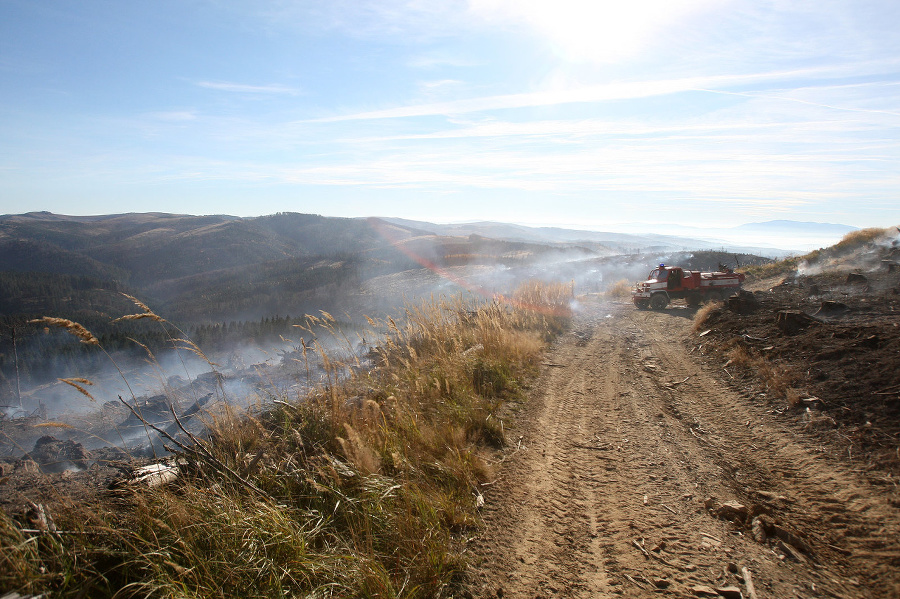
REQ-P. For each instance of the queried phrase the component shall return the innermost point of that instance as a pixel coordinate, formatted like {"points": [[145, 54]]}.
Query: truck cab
{"points": [[673, 277]]}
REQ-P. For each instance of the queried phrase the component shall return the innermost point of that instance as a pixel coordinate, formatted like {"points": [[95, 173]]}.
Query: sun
{"points": [[593, 30]]}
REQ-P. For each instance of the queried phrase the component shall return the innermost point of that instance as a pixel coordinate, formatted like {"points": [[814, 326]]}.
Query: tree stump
{"points": [[743, 303], [832, 308], [791, 322]]}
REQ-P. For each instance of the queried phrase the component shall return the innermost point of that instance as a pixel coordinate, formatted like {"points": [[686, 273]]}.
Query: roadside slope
{"points": [[624, 439]]}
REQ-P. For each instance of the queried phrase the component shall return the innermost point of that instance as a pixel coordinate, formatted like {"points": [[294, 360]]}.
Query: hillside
{"points": [[219, 277], [678, 451], [209, 268], [776, 238], [203, 269], [150, 248], [216, 277]]}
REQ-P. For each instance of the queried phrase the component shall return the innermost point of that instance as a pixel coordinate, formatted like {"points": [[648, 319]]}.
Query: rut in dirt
{"points": [[624, 442]]}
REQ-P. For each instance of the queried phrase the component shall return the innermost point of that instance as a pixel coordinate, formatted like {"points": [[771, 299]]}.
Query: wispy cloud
{"points": [[581, 129], [227, 86], [415, 20], [800, 101], [585, 94]]}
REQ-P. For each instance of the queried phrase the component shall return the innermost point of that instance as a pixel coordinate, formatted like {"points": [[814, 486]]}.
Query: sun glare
{"points": [[593, 30]]}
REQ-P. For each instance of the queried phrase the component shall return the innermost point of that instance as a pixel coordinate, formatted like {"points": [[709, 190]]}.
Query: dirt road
{"points": [[602, 491]]}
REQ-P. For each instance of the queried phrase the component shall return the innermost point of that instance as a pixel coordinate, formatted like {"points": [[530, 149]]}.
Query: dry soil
{"points": [[619, 465]]}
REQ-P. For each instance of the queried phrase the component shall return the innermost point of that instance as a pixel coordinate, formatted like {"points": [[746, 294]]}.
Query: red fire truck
{"points": [[668, 283]]}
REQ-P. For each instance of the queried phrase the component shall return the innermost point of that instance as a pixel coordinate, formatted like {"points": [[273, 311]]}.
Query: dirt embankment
{"points": [[636, 470]]}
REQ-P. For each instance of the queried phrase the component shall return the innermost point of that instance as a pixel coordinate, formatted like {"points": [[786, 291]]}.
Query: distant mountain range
{"points": [[789, 227], [771, 238]]}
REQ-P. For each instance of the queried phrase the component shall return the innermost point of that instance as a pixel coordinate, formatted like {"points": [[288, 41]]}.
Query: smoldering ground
{"points": [[248, 375]]}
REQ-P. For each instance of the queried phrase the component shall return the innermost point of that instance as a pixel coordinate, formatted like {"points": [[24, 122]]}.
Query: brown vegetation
{"points": [[367, 486], [621, 289], [848, 243]]}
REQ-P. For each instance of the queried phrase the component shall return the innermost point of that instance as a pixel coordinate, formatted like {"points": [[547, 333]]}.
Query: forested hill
{"points": [[143, 249], [222, 278], [206, 269], [217, 277]]}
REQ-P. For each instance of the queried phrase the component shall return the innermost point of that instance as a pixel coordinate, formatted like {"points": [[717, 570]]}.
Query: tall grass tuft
{"points": [[848, 243], [860, 237], [365, 486], [705, 315], [620, 290]]}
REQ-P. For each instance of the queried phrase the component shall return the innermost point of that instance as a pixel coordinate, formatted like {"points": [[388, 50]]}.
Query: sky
{"points": [[585, 114]]}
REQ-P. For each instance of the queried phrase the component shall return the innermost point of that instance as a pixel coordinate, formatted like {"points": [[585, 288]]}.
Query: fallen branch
{"points": [[198, 450], [509, 455], [638, 545], [656, 557], [594, 447], [888, 390], [286, 404], [693, 432]]}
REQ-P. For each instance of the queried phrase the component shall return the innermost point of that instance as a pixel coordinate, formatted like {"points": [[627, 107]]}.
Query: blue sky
{"points": [[563, 112]]}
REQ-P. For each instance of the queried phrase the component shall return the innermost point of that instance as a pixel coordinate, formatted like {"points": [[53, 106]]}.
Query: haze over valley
{"points": [[239, 286]]}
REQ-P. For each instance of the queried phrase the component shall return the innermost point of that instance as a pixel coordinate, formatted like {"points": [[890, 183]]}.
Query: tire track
{"points": [[620, 445]]}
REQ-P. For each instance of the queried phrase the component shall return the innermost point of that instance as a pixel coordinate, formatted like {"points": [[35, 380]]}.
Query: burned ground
{"points": [[834, 338]]}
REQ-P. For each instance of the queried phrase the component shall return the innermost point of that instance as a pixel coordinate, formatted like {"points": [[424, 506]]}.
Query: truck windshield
{"points": [[659, 275]]}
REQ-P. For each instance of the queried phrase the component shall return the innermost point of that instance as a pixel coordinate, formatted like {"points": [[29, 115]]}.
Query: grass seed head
{"points": [[74, 382], [139, 303], [84, 335]]}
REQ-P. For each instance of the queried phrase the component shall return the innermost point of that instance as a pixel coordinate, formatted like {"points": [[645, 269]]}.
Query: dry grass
{"points": [[620, 290], [778, 379], [794, 397], [365, 487], [848, 243], [704, 314], [785, 267], [84, 335], [860, 237]]}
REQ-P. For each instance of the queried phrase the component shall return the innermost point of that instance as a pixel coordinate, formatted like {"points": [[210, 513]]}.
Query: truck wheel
{"points": [[659, 301], [693, 300]]}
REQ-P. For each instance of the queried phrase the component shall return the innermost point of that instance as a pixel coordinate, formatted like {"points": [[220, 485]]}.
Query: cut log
{"points": [[153, 475]]}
